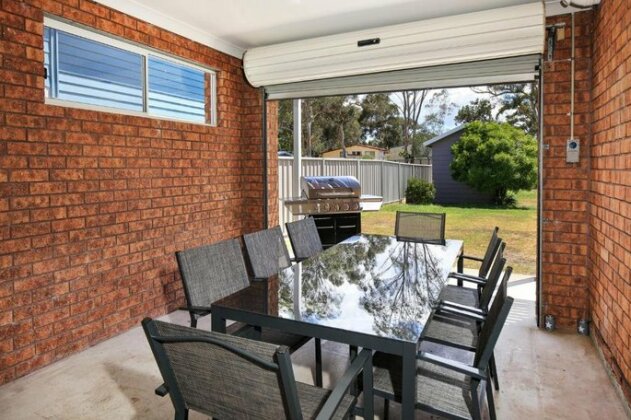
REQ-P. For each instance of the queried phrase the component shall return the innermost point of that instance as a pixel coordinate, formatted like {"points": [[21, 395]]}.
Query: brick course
{"points": [[610, 212], [95, 204], [587, 239], [565, 281]]}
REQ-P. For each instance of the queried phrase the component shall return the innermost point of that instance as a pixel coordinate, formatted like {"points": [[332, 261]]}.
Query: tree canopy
{"points": [[496, 158], [383, 120], [517, 102], [477, 110]]}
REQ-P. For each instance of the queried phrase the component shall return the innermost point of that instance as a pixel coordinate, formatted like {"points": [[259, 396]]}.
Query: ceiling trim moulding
{"points": [[157, 18]]}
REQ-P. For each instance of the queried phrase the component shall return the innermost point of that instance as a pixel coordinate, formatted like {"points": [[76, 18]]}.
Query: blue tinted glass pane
{"points": [[47, 34], [95, 73], [176, 91]]}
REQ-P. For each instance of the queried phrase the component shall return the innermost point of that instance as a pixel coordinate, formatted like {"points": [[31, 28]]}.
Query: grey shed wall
{"points": [[449, 191]]}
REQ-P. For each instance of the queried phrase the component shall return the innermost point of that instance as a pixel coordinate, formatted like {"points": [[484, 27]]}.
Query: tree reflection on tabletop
{"points": [[323, 275], [402, 290]]}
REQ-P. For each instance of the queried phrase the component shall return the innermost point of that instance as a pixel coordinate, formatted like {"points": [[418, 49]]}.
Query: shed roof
{"points": [[443, 136]]}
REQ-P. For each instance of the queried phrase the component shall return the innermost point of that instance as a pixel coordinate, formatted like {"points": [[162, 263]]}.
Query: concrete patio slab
{"points": [[543, 376]]}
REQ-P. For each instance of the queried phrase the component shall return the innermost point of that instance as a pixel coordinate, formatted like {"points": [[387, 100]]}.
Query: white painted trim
{"points": [[157, 18], [111, 110]]}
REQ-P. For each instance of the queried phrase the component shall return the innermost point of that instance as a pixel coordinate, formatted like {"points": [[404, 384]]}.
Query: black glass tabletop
{"points": [[369, 284]]}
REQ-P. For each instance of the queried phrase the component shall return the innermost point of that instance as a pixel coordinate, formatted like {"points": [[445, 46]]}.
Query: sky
{"points": [[458, 96]]}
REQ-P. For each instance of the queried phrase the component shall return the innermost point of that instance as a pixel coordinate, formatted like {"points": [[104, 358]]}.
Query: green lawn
{"points": [[518, 227]]}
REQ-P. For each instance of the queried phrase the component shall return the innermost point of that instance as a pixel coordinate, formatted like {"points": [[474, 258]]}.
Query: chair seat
{"points": [[449, 329], [281, 338], [462, 295], [312, 399], [437, 389]]}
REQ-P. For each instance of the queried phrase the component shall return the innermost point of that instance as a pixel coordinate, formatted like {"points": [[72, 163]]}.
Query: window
{"points": [[86, 68]]}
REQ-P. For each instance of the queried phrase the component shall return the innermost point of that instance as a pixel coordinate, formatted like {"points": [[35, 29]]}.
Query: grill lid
{"points": [[314, 187]]}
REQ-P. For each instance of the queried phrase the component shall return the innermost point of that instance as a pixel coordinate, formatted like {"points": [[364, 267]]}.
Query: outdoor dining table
{"points": [[370, 291]]}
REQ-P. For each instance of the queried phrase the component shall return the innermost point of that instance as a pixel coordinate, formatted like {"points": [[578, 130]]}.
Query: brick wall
{"points": [[610, 221], [94, 205], [565, 281]]}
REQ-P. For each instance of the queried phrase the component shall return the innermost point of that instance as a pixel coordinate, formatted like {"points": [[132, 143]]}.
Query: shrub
{"points": [[419, 191], [495, 158]]}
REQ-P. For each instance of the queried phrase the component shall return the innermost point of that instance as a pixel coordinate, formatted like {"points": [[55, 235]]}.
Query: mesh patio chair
{"points": [[485, 262], [420, 227], [304, 238], [212, 272], [228, 377], [472, 296], [444, 386], [459, 325], [267, 252]]}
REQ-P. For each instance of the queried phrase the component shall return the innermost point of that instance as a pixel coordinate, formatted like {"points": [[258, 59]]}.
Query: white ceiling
{"points": [[232, 26]]}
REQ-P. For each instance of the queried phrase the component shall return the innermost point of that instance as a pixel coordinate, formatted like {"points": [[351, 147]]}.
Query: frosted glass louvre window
{"points": [[83, 69], [93, 73], [176, 90]]}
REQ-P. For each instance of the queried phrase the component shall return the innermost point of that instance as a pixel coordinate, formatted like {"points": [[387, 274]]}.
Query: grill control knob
{"points": [[337, 207], [347, 206], [327, 206]]}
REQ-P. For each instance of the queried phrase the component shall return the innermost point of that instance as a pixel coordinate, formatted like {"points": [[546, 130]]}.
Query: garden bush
{"points": [[419, 192]]}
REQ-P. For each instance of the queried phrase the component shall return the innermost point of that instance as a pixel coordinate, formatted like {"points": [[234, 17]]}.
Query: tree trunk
{"points": [[342, 140], [309, 120]]}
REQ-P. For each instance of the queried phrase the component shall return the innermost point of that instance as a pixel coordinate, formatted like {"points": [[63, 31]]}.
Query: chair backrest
{"points": [[223, 376], [492, 327], [304, 238], [267, 252], [212, 272], [420, 227], [493, 278], [489, 255]]}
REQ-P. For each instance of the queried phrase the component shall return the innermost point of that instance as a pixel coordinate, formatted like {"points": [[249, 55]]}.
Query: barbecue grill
{"points": [[336, 203]]}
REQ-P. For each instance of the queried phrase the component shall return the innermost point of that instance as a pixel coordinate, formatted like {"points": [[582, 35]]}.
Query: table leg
{"points": [[408, 381], [460, 268], [218, 324]]}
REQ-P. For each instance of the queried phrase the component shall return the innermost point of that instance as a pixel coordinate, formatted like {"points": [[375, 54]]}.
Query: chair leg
{"points": [[352, 353], [318, 362], [181, 415], [493, 371], [386, 409], [193, 320], [490, 400], [476, 413]]}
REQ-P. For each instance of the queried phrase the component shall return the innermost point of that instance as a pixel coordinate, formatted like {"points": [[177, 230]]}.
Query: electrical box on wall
{"points": [[572, 151]]}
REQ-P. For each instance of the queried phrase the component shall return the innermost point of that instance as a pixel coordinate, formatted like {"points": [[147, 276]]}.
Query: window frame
{"points": [[144, 52]]}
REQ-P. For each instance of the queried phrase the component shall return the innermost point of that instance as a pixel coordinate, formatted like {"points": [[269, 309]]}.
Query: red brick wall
{"points": [[94, 205], [610, 221], [565, 281]]}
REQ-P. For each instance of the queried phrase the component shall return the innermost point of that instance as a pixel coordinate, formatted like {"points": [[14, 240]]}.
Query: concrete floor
{"points": [[543, 376]]}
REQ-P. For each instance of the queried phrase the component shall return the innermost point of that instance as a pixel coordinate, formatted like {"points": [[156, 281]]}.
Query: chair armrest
{"points": [[469, 278], [197, 309], [162, 390], [443, 310], [452, 365], [447, 303], [362, 362], [469, 257]]}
